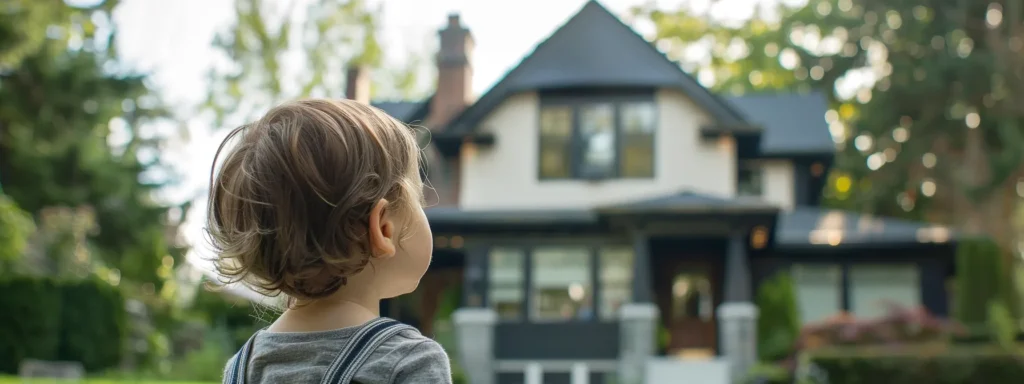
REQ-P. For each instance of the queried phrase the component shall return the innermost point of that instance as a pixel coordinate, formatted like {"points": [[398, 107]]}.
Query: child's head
{"points": [[320, 196]]}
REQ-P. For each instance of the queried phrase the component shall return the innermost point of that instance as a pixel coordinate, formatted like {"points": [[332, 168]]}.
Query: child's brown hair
{"points": [[289, 209]]}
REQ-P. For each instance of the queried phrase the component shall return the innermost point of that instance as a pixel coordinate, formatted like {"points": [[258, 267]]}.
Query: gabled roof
{"points": [[793, 124], [594, 49]]}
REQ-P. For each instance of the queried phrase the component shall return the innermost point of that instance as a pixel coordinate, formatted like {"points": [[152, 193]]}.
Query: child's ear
{"points": [[381, 231]]}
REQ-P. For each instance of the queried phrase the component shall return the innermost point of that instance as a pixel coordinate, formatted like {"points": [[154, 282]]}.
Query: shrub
{"points": [[980, 281], [60, 320], [778, 325], [30, 327], [94, 324], [933, 365], [899, 325]]}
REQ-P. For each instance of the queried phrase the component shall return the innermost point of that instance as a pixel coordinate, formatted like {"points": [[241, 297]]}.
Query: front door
{"points": [[687, 297]]}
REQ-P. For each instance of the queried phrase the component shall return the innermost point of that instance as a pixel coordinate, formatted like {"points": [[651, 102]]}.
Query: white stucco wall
{"points": [[778, 182], [505, 175]]}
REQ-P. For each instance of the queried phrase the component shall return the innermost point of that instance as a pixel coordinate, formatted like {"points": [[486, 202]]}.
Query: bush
{"points": [[94, 324], [899, 326], [980, 281], [30, 327], [238, 317], [933, 365], [61, 320], [778, 325]]}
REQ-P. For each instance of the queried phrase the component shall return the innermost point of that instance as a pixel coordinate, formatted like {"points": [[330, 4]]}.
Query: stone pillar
{"points": [[737, 316], [637, 340], [737, 323], [474, 332]]}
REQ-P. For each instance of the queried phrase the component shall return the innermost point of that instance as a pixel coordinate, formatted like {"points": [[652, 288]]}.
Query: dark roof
{"points": [[594, 49], [454, 215], [402, 110], [810, 226], [689, 202], [792, 123]]}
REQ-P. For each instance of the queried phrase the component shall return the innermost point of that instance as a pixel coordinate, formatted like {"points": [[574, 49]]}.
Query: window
{"points": [[597, 140], [749, 179], [616, 280], [818, 291], [562, 286], [874, 287], [506, 276]]}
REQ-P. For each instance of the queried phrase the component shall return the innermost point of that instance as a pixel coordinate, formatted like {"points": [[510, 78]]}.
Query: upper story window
{"points": [[597, 138], [749, 179]]}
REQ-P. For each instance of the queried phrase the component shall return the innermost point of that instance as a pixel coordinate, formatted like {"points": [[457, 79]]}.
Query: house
{"points": [[598, 193]]}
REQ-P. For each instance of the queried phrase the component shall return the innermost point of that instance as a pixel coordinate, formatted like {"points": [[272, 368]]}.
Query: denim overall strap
{"points": [[240, 363], [359, 348]]}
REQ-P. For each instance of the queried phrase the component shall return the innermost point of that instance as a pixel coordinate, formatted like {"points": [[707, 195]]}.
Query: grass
{"points": [[17, 380]]}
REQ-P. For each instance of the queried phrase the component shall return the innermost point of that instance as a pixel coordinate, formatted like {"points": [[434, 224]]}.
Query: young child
{"points": [[322, 201]]}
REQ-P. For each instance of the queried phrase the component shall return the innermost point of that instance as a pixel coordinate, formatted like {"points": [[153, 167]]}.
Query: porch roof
{"points": [[818, 227], [690, 202]]}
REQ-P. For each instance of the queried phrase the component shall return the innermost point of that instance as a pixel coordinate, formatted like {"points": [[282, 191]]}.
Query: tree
{"points": [[922, 105], [277, 51], [63, 96]]}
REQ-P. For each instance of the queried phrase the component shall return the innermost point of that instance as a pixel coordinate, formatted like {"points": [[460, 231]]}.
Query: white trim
{"points": [[561, 366]]}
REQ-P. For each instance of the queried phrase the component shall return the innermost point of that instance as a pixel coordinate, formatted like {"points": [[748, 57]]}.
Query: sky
{"points": [[171, 40]]}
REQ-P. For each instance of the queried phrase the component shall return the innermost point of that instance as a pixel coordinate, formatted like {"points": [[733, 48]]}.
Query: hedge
{"points": [[47, 319], [954, 365]]}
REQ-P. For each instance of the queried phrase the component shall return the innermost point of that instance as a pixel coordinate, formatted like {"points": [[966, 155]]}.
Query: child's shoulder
{"points": [[416, 358]]}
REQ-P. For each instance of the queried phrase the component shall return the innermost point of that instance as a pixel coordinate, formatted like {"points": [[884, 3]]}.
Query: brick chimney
{"points": [[454, 74], [357, 83]]}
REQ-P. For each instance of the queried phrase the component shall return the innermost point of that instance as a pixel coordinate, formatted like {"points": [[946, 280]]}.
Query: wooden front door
{"points": [[687, 297]]}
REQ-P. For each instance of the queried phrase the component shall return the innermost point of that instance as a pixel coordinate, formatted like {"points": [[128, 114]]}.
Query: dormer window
{"points": [[597, 138]]}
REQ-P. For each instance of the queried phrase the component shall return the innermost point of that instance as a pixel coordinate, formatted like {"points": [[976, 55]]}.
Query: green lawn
{"points": [[16, 380]]}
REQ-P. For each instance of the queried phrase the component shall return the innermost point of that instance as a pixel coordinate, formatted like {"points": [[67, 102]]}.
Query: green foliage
{"points": [[93, 324], [31, 325], [1002, 325], [83, 320], [959, 365], [17, 226], [764, 373], [980, 282], [778, 325], [61, 99], [238, 317]]}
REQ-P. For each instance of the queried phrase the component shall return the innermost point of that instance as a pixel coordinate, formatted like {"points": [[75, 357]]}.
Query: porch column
{"points": [[642, 292], [474, 332], [737, 316], [638, 320], [474, 283]]}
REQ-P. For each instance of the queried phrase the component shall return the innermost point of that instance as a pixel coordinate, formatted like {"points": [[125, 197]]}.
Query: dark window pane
{"points": [[749, 180], [639, 122], [597, 137], [555, 140]]}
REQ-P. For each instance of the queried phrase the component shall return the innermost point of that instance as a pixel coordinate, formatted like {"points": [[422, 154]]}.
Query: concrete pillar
{"points": [[737, 316], [534, 374], [737, 324], [638, 326], [474, 332], [580, 374]]}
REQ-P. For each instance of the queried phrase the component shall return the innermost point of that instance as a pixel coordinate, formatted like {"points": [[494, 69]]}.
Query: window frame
{"points": [[526, 288], [575, 102]]}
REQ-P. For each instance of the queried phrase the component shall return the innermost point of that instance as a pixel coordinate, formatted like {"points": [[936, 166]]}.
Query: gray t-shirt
{"points": [[303, 357]]}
